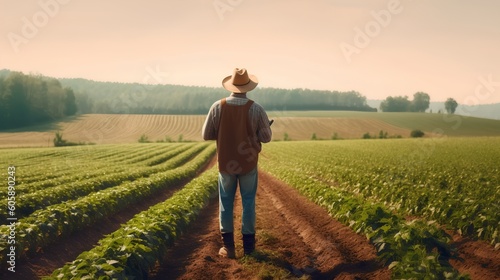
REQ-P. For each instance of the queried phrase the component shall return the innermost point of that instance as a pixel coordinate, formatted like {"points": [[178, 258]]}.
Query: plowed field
{"points": [[117, 129]]}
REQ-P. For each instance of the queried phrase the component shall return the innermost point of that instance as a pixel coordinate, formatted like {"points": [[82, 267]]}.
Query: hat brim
{"points": [[227, 84]]}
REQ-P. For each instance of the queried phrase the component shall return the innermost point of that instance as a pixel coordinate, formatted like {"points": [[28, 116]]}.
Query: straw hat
{"points": [[240, 81]]}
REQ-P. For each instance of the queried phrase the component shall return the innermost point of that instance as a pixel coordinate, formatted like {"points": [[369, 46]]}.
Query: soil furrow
{"points": [[293, 235], [478, 258], [338, 252]]}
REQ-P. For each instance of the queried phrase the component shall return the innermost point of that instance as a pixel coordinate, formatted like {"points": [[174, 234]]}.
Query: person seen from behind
{"points": [[239, 125]]}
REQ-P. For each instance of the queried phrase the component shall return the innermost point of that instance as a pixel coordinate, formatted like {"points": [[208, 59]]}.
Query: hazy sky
{"points": [[446, 48]]}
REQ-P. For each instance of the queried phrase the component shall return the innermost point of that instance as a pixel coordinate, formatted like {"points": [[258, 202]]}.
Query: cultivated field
{"points": [[108, 129], [371, 209], [326, 209], [116, 129]]}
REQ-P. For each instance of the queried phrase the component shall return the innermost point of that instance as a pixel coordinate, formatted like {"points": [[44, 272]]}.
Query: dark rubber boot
{"points": [[227, 249], [248, 243]]}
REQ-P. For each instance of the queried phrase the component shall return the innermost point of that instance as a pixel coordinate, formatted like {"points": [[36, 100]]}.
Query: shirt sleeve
{"points": [[209, 130], [264, 133]]}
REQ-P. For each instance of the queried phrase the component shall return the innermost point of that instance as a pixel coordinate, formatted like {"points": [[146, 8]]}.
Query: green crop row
{"points": [[453, 181], [134, 249], [148, 159], [45, 226], [121, 153], [412, 250], [38, 170], [27, 204], [48, 171]]}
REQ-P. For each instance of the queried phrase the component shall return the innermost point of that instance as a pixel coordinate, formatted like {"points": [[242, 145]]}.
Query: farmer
{"points": [[240, 126]]}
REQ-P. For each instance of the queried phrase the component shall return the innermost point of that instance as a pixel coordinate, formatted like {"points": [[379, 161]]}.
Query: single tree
{"points": [[421, 101], [450, 105]]}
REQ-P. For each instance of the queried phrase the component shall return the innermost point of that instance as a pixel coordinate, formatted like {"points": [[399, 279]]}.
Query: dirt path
{"points": [[293, 235]]}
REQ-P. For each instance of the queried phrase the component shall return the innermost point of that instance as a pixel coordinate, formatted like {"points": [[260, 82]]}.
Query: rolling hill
{"points": [[297, 125]]}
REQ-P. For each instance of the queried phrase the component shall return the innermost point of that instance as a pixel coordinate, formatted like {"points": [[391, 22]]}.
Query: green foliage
{"points": [[313, 137], [382, 134], [131, 251], [395, 104], [402, 178], [168, 139], [335, 136], [60, 142], [452, 125], [144, 139], [416, 133], [69, 102], [29, 99], [412, 176], [40, 196], [77, 205], [381, 227], [450, 105], [420, 103], [105, 97], [286, 137]]}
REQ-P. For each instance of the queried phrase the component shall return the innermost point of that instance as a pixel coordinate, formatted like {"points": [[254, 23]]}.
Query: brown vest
{"points": [[237, 145]]}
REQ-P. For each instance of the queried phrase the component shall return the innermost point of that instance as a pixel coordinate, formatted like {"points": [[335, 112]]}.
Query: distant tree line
{"points": [[133, 98], [420, 103], [29, 99]]}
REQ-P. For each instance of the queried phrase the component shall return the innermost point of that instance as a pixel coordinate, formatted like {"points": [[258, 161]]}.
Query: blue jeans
{"points": [[227, 190]]}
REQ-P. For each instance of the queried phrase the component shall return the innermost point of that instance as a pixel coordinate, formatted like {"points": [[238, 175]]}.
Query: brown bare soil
{"points": [[479, 259]]}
